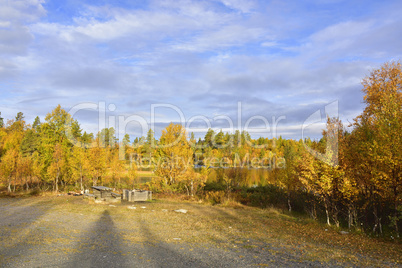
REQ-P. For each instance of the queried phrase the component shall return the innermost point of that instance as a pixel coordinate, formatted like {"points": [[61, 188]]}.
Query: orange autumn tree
{"points": [[175, 156], [8, 167], [117, 169], [12, 138], [323, 176], [97, 159], [80, 165], [58, 166], [379, 140]]}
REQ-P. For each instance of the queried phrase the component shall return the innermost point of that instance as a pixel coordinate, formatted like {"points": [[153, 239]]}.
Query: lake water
{"points": [[243, 176], [240, 176]]}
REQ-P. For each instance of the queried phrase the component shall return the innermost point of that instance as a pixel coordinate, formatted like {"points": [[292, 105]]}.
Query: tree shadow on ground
{"points": [[20, 229], [101, 246], [162, 254]]}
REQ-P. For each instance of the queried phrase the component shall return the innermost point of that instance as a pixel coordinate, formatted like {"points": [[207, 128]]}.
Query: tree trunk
{"points": [[377, 222], [289, 205], [327, 213], [57, 182], [312, 211], [396, 218], [335, 215], [81, 178], [396, 214], [354, 217], [9, 185]]}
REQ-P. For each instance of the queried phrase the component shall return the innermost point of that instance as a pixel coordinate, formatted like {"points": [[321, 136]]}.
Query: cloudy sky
{"points": [[267, 66]]}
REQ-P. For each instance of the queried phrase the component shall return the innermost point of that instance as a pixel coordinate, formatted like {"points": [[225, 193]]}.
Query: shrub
{"points": [[215, 197]]}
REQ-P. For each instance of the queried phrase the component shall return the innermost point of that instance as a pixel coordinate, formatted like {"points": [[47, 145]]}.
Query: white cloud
{"points": [[225, 37], [21, 11], [15, 36], [244, 6], [360, 39], [141, 25], [5, 24], [269, 44], [343, 30], [342, 35]]}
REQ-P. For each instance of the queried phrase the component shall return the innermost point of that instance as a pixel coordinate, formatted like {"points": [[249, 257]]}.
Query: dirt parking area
{"points": [[73, 232]]}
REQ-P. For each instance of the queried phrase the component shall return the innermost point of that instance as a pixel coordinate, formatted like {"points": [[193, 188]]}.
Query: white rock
{"points": [[176, 238], [343, 232], [112, 206], [143, 207], [181, 210], [131, 207]]}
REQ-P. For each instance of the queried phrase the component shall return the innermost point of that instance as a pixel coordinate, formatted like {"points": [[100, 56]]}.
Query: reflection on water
{"points": [[243, 176], [142, 179], [239, 176]]}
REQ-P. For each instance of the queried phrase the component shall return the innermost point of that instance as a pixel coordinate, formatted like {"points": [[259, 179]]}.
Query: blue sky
{"points": [[224, 64]]}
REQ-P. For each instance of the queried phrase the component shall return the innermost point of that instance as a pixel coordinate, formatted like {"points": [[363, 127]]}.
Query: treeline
{"points": [[56, 154], [350, 178]]}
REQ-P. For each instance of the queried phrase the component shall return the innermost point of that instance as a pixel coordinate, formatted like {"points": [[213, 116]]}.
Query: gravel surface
{"points": [[46, 233]]}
